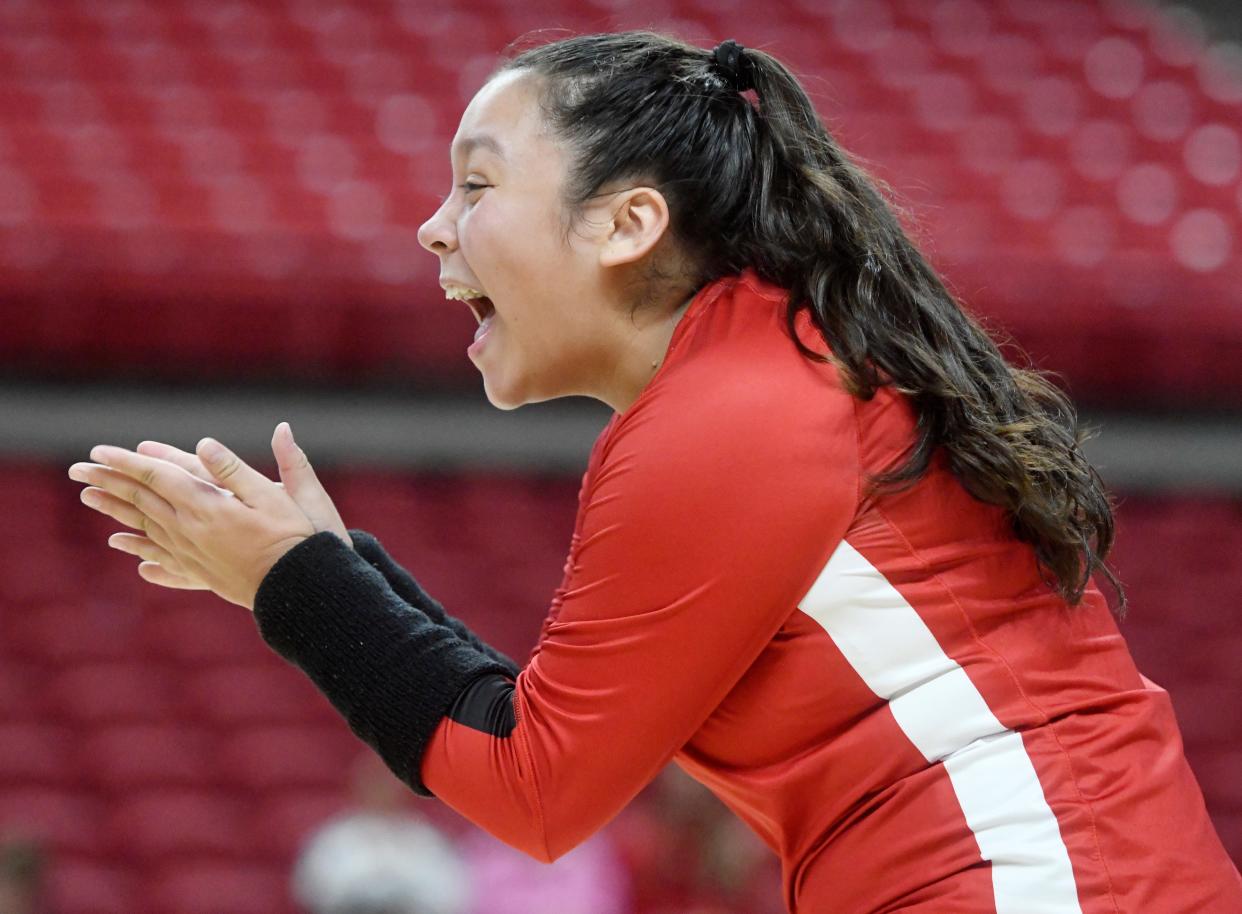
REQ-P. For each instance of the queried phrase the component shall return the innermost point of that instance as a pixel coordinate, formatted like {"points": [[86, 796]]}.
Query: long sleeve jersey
{"points": [[883, 686]]}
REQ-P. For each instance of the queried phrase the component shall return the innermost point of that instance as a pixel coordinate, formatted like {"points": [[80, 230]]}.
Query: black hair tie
{"points": [[732, 63]]}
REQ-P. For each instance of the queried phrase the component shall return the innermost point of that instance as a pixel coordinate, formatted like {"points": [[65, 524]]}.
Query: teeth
{"points": [[458, 293]]}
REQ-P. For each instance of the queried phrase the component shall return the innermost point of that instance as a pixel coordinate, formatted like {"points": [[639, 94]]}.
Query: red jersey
{"points": [[883, 688]]}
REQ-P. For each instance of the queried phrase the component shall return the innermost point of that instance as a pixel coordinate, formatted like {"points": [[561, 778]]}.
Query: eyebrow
{"points": [[481, 140]]}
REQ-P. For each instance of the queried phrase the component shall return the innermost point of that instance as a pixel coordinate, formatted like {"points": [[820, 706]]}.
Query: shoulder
{"points": [[735, 377], [737, 411]]}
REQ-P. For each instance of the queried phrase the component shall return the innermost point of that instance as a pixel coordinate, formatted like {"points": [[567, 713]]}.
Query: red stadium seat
{"points": [[125, 757], [186, 172], [262, 759], [207, 888], [81, 629], [87, 886], [65, 820], [1217, 770], [114, 692], [243, 694], [283, 820], [21, 690], [200, 628], [1208, 712], [162, 825], [35, 753]]}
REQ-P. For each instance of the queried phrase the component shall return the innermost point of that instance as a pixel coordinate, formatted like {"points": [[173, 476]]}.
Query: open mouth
{"points": [[482, 308], [479, 304]]}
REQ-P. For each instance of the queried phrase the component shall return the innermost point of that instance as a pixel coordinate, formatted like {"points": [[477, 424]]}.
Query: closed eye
{"points": [[471, 187]]}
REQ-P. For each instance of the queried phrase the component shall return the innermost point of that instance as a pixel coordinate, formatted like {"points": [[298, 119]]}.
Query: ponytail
{"points": [[764, 186]]}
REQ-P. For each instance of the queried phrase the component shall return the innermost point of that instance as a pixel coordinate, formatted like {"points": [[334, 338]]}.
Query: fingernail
{"points": [[77, 473], [210, 449]]}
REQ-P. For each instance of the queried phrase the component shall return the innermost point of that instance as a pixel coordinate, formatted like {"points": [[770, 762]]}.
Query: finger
{"points": [[176, 488], [124, 512], [122, 488], [118, 483], [157, 574], [231, 472], [187, 461], [299, 480], [147, 549]]}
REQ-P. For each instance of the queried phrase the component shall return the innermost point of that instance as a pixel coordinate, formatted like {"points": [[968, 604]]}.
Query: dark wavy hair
{"points": [[760, 183]]}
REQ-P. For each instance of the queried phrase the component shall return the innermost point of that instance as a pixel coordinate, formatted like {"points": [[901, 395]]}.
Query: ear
{"points": [[639, 221]]}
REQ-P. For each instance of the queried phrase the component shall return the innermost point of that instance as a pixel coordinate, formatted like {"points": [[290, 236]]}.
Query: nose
{"points": [[439, 233]]}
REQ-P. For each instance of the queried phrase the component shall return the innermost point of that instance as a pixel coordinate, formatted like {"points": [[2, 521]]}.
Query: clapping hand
{"points": [[208, 521]]}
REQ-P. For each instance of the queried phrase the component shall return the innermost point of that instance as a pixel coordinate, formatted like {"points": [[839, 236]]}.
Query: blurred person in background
{"points": [[590, 879], [23, 868], [689, 855], [379, 857], [833, 554]]}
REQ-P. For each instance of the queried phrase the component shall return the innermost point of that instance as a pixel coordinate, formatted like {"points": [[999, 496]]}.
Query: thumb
{"points": [[303, 486]]}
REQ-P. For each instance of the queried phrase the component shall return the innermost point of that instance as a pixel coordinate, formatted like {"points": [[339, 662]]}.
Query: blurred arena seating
{"points": [[173, 763], [169, 759], [191, 188]]}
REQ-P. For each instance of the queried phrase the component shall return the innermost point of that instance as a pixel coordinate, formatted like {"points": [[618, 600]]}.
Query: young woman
{"points": [[833, 555]]}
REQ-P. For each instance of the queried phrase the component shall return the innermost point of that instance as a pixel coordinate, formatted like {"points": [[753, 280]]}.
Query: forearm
{"points": [[406, 587], [391, 669]]}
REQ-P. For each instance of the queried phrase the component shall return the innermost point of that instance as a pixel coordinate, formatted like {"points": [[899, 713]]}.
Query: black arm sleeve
{"points": [[391, 671], [409, 590]]}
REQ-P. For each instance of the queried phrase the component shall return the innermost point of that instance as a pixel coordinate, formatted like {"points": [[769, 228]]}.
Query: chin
{"points": [[504, 404], [513, 388], [503, 397]]}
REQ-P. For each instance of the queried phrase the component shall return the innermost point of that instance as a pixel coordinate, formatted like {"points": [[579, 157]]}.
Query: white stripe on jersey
{"points": [[944, 716]]}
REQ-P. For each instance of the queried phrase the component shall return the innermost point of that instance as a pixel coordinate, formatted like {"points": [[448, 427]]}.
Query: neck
{"points": [[641, 354]]}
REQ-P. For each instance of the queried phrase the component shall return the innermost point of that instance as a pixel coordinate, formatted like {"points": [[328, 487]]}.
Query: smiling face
{"points": [[560, 315], [552, 325]]}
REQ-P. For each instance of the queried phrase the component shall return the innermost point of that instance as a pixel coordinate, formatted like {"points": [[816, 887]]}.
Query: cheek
{"points": [[474, 236], [518, 256], [494, 251]]}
